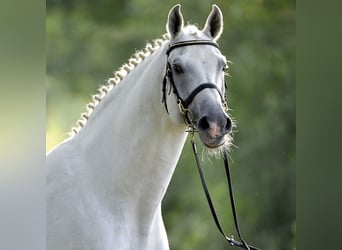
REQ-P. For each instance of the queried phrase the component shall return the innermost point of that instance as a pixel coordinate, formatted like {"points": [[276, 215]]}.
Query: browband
{"points": [[189, 43]]}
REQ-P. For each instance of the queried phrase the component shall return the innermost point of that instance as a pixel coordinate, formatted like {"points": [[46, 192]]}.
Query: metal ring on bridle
{"points": [[188, 118]]}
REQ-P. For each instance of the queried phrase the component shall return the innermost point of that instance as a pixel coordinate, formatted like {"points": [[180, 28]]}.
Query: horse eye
{"points": [[177, 68], [225, 67]]}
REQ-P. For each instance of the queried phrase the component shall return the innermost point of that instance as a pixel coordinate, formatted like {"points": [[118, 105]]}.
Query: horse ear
{"points": [[214, 24], [175, 21]]}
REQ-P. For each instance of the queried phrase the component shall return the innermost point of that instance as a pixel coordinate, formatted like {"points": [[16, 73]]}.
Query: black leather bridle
{"points": [[184, 103], [183, 107]]}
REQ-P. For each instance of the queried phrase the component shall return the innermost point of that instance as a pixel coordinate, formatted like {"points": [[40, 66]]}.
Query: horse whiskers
{"points": [[218, 152]]}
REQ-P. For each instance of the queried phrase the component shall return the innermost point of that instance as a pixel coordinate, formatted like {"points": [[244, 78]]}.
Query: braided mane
{"points": [[123, 71]]}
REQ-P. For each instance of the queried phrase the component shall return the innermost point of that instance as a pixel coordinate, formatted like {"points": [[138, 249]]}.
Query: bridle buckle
{"points": [[181, 107], [189, 121]]}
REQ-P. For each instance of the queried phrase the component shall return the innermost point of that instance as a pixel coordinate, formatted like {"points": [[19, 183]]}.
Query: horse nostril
{"points": [[229, 125], [223, 126], [203, 123]]}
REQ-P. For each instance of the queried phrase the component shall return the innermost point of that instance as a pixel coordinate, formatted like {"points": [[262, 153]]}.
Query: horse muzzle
{"points": [[212, 129]]}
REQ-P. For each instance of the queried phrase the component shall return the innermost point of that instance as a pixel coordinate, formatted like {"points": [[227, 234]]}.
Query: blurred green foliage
{"points": [[88, 40]]}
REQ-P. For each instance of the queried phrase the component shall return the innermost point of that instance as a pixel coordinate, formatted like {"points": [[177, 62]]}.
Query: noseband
{"points": [[183, 104]]}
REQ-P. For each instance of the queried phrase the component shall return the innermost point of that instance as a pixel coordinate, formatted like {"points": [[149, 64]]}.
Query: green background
{"points": [[318, 123]]}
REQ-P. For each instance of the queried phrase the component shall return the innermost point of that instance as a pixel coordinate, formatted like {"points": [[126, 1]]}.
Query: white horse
{"points": [[105, 184]]}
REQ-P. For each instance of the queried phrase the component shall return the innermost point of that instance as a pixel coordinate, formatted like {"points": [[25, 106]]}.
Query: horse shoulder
{"points": [[67, 201]]}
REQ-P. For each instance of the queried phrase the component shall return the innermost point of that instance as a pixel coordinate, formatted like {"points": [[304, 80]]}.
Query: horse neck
{"points": [[130, 143]]}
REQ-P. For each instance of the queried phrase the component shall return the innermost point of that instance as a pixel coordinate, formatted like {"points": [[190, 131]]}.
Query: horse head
{"points": [[195, 70]]}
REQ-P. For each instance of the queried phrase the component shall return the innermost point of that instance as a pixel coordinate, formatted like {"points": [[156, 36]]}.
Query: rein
{"points": [[243, 244], [183, 107]]}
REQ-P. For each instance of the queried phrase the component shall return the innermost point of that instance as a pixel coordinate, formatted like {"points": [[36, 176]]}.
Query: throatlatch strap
{"points": [[231, 241]]}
